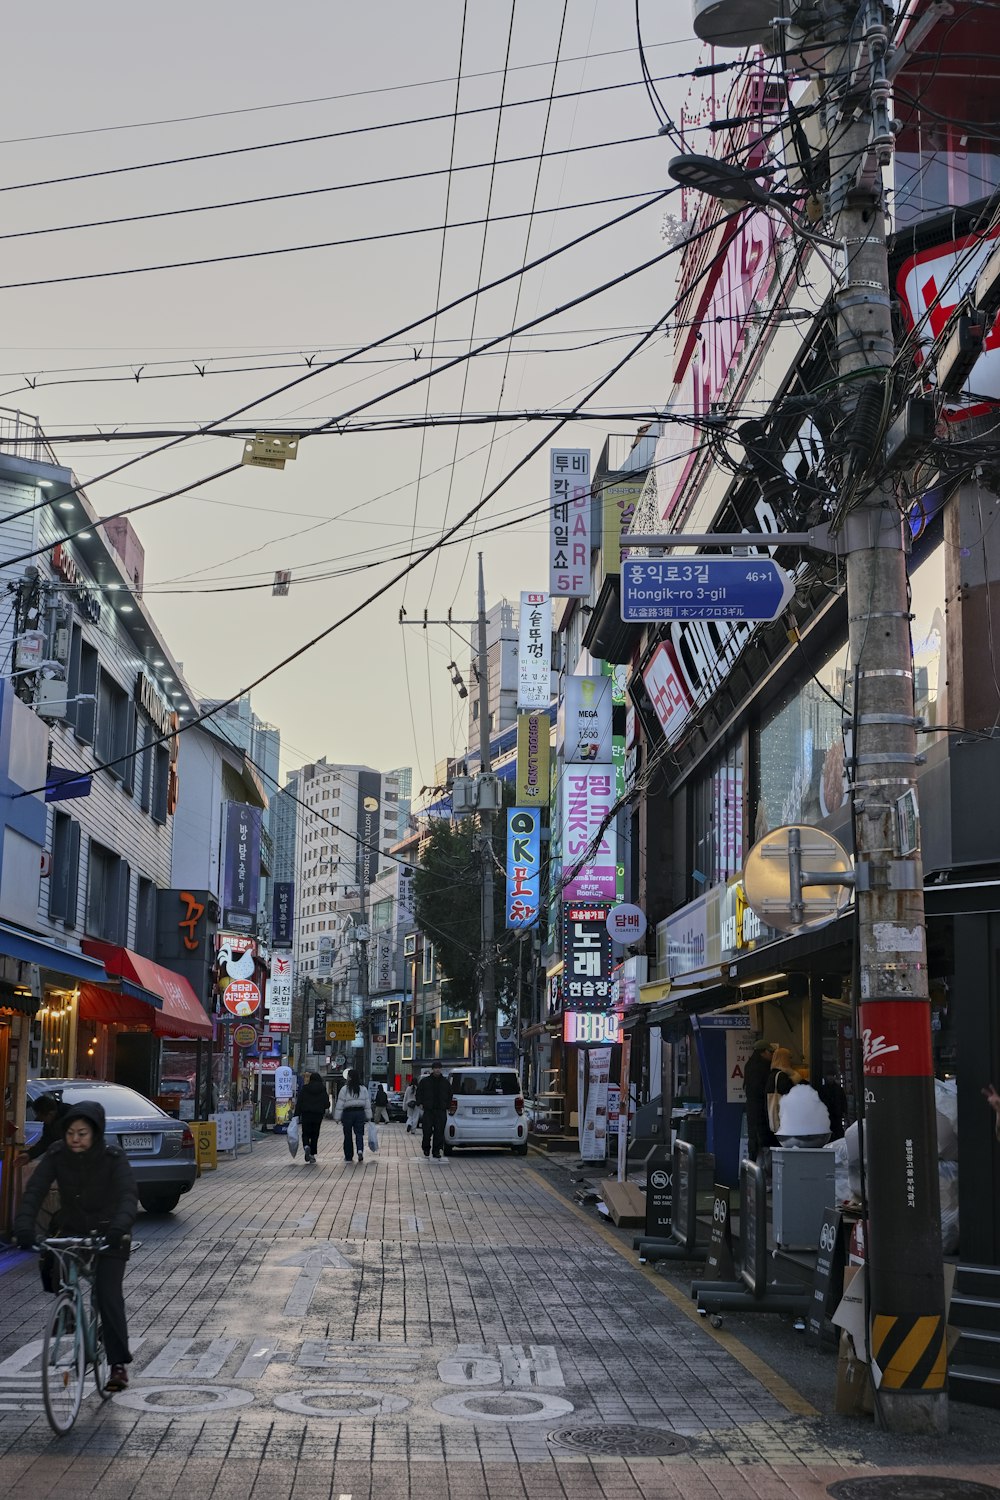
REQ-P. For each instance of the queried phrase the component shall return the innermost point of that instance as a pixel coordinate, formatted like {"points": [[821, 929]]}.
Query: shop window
{"points": [[107, 895], [115, 725], [928, 635], [64, 877], [145, 918], [801, 750], [161, 782], [144, 768], [428, 963], [82, 687], [717, 822]]}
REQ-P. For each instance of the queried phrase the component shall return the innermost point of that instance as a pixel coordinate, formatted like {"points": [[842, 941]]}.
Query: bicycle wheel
{"points": [[101, 1367], [64, 1364]]}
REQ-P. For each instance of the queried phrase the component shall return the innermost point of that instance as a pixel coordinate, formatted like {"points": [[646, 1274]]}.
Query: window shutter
{"points": [[73, 875]]}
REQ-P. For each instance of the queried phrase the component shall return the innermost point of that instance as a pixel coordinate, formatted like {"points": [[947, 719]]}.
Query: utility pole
{"points": [[362, 938], [904, 1256], [488, 998]]}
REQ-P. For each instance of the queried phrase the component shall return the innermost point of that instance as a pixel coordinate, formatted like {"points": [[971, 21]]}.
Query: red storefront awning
{"points": [[151, 995]]}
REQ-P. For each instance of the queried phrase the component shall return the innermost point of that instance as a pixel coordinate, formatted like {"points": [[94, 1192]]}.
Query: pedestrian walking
{"points": [[353, 1109], [381, 1106], [97, 1195], [311, 1106], [755, 1076], [434, 1094], [411, 1106]]}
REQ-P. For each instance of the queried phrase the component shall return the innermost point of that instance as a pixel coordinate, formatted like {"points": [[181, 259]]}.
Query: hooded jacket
{"points": [[346, 1101], [97, 1191], [313, 1100]]}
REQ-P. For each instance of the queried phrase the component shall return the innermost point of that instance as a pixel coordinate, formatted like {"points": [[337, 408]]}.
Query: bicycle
{"points": [[74, 1339]]}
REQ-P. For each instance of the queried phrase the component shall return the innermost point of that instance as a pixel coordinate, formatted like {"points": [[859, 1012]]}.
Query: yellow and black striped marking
{"points": [[910, 1352]]}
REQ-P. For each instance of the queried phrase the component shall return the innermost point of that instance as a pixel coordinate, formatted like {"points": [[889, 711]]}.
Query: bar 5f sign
{"points": [[524, 846]]}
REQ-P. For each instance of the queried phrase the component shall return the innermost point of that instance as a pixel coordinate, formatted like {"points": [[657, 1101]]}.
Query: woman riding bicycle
{"points": [[97, 1196]]}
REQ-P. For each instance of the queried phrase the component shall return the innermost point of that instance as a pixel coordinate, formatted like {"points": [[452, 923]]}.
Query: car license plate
{"points": [[136, 1142], [481, 1111]]}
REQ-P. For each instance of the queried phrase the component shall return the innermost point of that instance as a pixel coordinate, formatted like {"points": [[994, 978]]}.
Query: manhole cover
{"points": [[620, 1441], [911, 1487]]}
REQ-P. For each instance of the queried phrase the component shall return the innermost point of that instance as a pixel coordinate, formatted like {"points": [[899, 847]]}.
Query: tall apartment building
{"points": [[501, 657], [261, 744], [346, 819]]}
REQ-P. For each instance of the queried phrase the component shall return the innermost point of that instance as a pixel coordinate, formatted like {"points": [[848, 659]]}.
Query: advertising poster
{"points": [[279, 993], [369, 819], [532, 775], [594, 1146], [524, 861], [584, 733], [241, 877], [534, 651], [570, 529], [589, 849]]}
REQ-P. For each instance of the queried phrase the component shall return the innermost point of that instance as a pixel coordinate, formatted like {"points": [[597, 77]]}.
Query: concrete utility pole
{"points": [[488, 998], [905, 1266], [362, 939]]}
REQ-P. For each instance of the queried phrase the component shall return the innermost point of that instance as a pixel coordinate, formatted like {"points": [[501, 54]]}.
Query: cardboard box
{"points": [[855, 1397]]}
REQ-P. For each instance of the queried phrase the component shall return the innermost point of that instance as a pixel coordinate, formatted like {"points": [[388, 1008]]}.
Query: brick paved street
{"points": [[414, 1328]]}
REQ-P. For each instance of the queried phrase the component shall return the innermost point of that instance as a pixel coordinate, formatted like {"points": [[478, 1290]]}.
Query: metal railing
{"points": [[22, 434]]}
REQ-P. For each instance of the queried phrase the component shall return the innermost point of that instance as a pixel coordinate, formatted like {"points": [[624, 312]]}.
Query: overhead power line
{"points": [[309, 140]]}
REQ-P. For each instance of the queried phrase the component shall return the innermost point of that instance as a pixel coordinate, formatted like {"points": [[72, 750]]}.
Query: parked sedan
{"points": [[159, 1148], [395, 1106]]}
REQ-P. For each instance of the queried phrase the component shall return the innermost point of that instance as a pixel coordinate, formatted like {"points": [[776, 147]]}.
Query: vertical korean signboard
{"points": [[524, 858], [283, 915], [589, 844], [532, 779], [369, 818], [241, 881], [279, 993], [570, 531], [585, 719], [534, 651], [587, 957]]}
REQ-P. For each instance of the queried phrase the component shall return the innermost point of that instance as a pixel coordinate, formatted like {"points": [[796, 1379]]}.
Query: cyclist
{"points": [[97, 1196]]}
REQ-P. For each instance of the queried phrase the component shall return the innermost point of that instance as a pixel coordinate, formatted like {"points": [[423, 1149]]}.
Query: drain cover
{"points": [[911, 1487], [620, 1441]]}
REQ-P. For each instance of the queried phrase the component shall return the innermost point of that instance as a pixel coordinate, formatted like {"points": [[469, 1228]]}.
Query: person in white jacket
{"points": [[411, 1106], [353, 1109]]}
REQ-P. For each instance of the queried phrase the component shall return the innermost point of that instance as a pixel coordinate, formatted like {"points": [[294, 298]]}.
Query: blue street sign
{"points": [[703, 588]]}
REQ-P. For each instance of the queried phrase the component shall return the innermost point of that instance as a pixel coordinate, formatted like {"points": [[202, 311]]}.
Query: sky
{"points": [[112, 86]]}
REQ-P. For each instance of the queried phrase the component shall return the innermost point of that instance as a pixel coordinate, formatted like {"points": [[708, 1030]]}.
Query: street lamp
{"points": [[737, 187]]}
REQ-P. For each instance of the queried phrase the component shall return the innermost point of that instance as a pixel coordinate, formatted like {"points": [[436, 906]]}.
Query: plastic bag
{"points": [[372, 1136], [293, 1135]]}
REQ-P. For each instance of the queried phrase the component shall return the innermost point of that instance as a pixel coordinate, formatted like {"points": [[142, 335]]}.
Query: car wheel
{"points": [[160, 1203], [448, 1150], [520, 1150]]}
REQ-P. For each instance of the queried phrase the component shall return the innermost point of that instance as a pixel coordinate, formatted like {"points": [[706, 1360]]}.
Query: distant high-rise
{"points": [[261, 743]]}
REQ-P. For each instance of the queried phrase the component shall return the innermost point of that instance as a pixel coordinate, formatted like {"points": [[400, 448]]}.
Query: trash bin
{"points": [[205, 1145]]}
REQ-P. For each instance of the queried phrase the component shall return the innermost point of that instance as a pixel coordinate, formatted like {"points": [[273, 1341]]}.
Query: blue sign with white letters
{"points": [[703, 588]]}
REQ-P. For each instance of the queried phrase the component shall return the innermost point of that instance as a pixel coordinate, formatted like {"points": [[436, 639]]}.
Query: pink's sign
{"points": [[742, 278]]}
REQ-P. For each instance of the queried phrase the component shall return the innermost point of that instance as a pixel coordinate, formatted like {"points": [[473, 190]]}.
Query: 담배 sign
{"points": [[703, 588], [626, 923]]}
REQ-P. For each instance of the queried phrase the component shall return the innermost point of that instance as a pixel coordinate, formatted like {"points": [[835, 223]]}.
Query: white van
{"points": [[487, 1109]]}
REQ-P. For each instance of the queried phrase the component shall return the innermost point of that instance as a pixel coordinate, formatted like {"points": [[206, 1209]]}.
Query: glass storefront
{"points": [[718, 821], [802, 758]]}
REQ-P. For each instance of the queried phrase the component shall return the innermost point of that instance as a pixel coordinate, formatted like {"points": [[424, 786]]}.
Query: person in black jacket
{"points": [[755, 1075], [434, 1094], [311, 1105], [97, 1195]]}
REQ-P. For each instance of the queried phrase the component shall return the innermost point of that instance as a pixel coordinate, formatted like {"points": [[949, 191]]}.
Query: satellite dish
{"points": [[797, 877]]}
